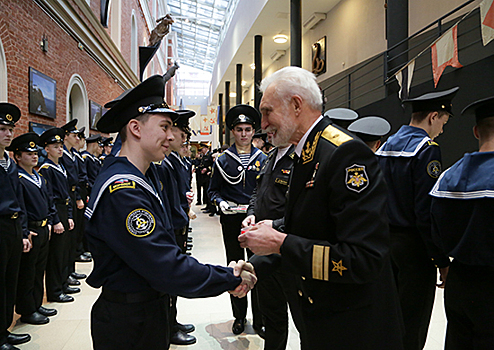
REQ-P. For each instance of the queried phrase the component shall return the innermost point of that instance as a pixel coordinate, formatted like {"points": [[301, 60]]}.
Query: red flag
{"points": [[445, 53], [489, 17], [487, 20]]}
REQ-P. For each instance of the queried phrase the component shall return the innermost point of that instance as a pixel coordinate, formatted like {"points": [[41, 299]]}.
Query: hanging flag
{"points": [[445, 53], [487, 20], [205, 127], [212, 115], [404, 78]]}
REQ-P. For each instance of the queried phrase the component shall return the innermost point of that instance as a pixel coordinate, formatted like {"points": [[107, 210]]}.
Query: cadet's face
{"points": [[243, 134], [6, 135], [28, 159], [179, 138], [438, 124], [156, 136], [54, 150], [277, 119], [72, 140], [258, 143], [108, 149]]}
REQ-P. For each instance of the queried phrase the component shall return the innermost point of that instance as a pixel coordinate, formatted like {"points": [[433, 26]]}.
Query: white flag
{"points": [[404, 78]]}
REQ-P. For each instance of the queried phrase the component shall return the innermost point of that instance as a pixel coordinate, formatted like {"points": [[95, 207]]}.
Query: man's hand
{"points": [[80, 204], [443, 275], [190, 197], [246, 272], [30, 237], [225, 207], [203, 171], [58, 228], [266, 222], [262, 239], [26, 245], [249, 220], [71, 224]]}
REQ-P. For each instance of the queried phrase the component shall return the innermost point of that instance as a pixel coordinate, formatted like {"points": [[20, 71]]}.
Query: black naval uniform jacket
{"points": [[93, 166], [39, 204], [133, 243], [337, 244], [181, 175], [69, 162], [230, 181], [82, 173], [58, 186]]}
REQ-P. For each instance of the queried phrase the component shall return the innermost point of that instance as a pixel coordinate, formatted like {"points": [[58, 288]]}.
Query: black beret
{"points": [[243, 114], [28, 142], [433, 101], [9, 114], [481, 109], [53, 135]]}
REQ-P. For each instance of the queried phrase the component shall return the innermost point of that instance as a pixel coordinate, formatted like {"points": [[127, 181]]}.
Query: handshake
{"points": [[246, 271]]}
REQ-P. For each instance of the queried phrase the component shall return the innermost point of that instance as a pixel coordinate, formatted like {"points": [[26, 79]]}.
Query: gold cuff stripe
{"points": [[335, 136], [320, 263], [326, 263]]}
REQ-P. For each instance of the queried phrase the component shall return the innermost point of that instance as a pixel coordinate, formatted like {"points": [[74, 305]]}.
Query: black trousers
{"points": [[136, 326], [10, 259], [181, 238], [33, 263], [78, 216], [415, 277], [57, 267], [81, 222], [469, 303], [231, 225]]}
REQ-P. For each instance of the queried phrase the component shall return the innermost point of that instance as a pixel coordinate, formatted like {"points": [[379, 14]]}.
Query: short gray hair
{"points": [[291, 81]]}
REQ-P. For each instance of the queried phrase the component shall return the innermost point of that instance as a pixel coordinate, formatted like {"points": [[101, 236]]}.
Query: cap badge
{"points": [[32, 144], [9, 117], [242, 118], [57, 137]]}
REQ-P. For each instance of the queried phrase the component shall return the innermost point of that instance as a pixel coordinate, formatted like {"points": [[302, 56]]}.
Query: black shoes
{"points": [[189, 239], [198, 203], [238, 325], [62, 298], [83, 258], [46, 311], [35, 318], [212, 214], [16, 339], [182, 338], [78, 276], [186, 328], [71, 290], [71, 281], [8, 346]]}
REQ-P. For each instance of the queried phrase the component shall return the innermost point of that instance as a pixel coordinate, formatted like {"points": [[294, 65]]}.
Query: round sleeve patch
{"points": [[140, 223], [434, 169]]}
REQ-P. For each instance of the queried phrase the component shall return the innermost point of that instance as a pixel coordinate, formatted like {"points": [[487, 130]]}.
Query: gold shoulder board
{"points": [[335, 136]]}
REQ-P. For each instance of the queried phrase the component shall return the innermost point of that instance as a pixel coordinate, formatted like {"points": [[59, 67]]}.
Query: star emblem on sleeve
{"points": [[338, 267]]}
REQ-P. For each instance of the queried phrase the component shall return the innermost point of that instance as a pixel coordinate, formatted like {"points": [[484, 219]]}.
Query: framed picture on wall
{"points": [[42, 94], [95, 112], [39, 128], [319, 56]]}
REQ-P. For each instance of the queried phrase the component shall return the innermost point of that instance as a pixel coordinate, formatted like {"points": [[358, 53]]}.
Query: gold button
{"points": [[303, 278], [311, 301], [300, 293]]}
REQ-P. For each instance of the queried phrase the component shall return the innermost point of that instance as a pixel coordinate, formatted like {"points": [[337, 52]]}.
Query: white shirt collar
{"points": [[300, 144]]}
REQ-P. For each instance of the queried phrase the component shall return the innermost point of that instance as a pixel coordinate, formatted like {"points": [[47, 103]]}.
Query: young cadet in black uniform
{"points": [[268, 203], [232, 181], [39, 210], [55, 174], [136, 258], [91, 158], [203, 176], [107, 144], [336, 240], [370, 129], [463, 224], [411, 162], [13, 228]]}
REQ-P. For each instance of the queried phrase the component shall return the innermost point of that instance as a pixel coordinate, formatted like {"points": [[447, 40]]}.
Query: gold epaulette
{"points": [[335, 136]]}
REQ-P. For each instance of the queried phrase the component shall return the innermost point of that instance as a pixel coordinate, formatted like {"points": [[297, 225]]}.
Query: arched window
{"points": [[77, 102], [115, 21], [3, 75], [133, 44]]}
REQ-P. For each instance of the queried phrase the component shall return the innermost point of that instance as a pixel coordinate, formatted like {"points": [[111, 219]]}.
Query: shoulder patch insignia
{"points": [[432, 143], [356, 178], [140, 223], [310, 150], [434, 169], [122, 183], [335, 136]]}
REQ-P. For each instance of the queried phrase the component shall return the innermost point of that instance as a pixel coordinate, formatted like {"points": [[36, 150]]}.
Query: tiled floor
{"points": [[69, 330]]}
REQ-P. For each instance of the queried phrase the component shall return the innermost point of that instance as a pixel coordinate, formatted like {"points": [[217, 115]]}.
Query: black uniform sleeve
{"points": [[48, 177], [215, 186], [252, 202], [23, 213], [153, 253], [356, 253], [426, 170]]}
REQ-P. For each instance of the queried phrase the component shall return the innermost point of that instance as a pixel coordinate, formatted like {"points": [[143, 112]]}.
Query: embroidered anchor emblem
{"points": [[310, 150]]}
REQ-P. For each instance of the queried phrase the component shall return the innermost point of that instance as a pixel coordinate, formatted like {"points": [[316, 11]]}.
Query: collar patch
{"points": [[310, 149]]}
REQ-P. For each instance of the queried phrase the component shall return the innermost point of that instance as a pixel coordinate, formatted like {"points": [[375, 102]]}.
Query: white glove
{"points": [[225, 207]]}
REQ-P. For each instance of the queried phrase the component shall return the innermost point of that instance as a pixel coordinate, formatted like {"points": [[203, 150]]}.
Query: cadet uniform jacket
{"points": [[69, 162], [57, 185], [181, 175], [462, 203], [82, 170], [411, 163], [133, 244], [39, 204], [337, 244], [93, 166], [230, 181]]}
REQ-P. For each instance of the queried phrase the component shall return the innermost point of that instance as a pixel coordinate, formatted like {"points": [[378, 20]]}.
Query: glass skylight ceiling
{"points": [[200, 26]]}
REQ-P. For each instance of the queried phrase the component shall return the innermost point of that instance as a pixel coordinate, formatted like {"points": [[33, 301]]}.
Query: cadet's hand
{"points": [[246, 272], [71, 224], [443, 275], [26, 245], [80, 204], [58, 228], [30, 237], [192, 215], [262, 239], [249, 220], [224, 206]]}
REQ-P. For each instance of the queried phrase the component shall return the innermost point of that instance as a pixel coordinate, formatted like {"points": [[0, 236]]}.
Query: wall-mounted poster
{"points": [[42, 94], [39, 128], [95, 113]]}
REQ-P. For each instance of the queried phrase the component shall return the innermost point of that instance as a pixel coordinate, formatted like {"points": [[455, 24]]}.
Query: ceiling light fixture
{"points": [[253, 66], [244, 83], [280, 38]]}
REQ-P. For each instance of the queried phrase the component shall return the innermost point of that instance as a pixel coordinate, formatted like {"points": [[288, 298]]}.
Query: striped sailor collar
{"points": [[36, 179], [68, 153], [7, 160], [407, 142], [233, 153], [470, 178], [59, 167]]}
